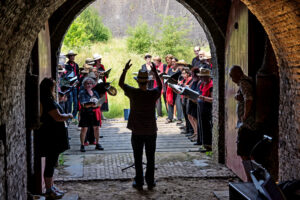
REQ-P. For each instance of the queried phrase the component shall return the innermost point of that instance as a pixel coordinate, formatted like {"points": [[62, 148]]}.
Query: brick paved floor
{"points": [[173, 158]]}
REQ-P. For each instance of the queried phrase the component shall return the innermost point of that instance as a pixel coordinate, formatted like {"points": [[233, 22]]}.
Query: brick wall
{"points": [[281, 22], [21, 21]]}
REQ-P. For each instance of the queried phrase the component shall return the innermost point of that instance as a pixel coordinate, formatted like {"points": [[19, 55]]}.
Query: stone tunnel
{"points": [[32, 33]]}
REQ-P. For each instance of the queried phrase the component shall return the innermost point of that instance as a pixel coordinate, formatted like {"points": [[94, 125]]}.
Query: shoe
{"points": [[86, 144], [99, 147], [137, 186], [53, 195], [58, 190], [182, 127], [193, 136], [82, 148], [101, 136], [151, 186], [182, 132], [168, 121], [197, 143], [188, 134], [179, 122]]}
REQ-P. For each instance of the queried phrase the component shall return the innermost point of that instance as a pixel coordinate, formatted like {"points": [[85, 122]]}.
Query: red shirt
{"points": [[206, 89]]}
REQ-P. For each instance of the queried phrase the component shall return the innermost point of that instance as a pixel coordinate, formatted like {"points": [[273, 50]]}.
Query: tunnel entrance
{"points": [[279, 19]]}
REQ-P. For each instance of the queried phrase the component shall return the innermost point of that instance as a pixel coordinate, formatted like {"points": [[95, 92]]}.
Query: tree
{"points": [[172, 37], [140, 38], [86, 28]]}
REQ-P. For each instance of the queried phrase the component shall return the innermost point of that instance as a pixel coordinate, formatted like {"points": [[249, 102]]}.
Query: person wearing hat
{"points": [[142, 123], [101, 69], [90, 114], [72, 66], [204, 110]]}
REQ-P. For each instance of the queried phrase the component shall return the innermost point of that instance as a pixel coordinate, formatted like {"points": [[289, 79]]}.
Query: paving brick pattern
{"points": [[175, 156]]}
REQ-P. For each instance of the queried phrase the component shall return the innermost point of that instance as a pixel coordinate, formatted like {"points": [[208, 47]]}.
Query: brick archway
{"points": [[21, 21]]}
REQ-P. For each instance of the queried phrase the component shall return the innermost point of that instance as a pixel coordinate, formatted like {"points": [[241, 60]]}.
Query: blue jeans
{"points": [[73, 99]]}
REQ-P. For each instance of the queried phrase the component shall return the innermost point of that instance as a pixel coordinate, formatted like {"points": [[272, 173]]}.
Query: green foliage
{"points": [[140, 38], [85, 29], [173, 37]]}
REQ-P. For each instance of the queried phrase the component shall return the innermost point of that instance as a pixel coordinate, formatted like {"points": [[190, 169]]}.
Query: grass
{"points": [[115, 55]]}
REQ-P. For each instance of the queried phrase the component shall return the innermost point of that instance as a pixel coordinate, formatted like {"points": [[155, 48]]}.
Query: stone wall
{"points": [[22, 20]]}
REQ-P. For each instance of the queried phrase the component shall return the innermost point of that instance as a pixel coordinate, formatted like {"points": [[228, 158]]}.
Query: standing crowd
{"points": [[181, 107]]}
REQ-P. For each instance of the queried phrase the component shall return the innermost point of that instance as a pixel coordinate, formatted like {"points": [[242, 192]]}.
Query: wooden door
{"points": [[236, 53]]}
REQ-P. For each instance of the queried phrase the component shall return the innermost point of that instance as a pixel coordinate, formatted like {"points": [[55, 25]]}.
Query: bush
{"points": [[85, 29], [140, 38]]}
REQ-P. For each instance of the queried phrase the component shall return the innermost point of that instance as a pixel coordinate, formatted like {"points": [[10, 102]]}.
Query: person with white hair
{"points": [[90, 114], [196, 60]]}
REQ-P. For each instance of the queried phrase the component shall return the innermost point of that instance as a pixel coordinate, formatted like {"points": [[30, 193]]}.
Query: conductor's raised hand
{"points": [[128, 65]]}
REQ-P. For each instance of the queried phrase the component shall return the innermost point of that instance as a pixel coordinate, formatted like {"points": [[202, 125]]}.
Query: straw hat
{"points": [[71, 53], [204, 72], [89, 61], [142, 76], [148, 55], [181, 62], [207, 55], [97, 57]]}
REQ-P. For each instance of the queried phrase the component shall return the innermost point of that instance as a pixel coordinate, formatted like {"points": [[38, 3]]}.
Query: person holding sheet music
{"points": [[90, 114], [172, 98], [192, 104], [204, 110], [72, 69]]}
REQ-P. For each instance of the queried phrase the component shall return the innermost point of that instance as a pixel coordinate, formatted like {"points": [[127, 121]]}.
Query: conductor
{"points": [[142, 123]]}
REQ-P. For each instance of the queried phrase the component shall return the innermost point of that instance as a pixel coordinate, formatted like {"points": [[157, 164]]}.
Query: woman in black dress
{"points": [[192, 105], [52, 135]]}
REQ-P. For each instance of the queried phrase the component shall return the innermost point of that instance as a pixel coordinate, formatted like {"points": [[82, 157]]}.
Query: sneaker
{"points": [[99, 147], [53, 195], [82, 148], [136, 186]]}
